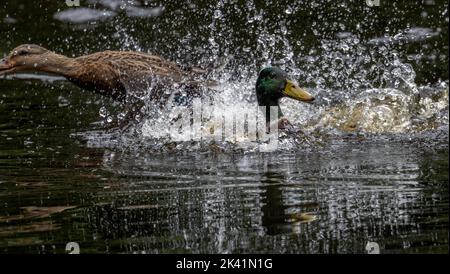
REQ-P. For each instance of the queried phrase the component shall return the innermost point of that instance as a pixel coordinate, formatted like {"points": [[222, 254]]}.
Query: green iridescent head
{"points": [[273, 84]]}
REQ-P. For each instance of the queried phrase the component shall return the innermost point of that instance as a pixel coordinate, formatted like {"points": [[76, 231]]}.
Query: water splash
{"points": [[364, 85]]}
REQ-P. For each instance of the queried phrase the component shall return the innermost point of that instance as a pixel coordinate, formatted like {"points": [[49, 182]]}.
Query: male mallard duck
{"points": [[110, 73], [272, 85]]}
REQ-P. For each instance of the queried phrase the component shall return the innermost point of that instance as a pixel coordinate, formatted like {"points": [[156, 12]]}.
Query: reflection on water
{"points": [[331, 200], [253, 203]]}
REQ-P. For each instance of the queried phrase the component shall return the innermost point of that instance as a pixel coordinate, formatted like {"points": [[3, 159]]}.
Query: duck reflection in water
{"points": [[279, 217]]}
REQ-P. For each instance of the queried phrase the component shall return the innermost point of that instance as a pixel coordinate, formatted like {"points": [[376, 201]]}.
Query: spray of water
{"points": [[362, 86]]}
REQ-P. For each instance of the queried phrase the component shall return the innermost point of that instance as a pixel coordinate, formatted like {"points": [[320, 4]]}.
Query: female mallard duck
{"points": [[110, 73], [272, 85]]}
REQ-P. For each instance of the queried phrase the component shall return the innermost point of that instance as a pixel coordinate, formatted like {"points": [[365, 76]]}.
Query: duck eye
{"points": [[272, 75], [22, 52]]}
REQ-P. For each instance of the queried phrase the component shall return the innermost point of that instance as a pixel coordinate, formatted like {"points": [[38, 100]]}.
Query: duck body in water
{"points": [[115, 73], [109, 73]]}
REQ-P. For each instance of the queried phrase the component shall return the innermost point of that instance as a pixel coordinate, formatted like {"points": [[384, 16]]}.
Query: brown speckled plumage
{"points": [[110, 73]]}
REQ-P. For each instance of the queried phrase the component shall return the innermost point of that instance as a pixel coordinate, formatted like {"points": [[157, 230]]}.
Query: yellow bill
{"points": [[293, 91]]}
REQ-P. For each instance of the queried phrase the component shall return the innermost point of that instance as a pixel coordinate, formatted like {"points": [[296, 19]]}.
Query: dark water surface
{"points": [[54, 189], [380, 176]]}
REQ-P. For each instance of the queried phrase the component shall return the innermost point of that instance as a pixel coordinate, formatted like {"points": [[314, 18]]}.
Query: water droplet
{"points": [[121, 116], [103, 112], [288, 10], [217, 14]]}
